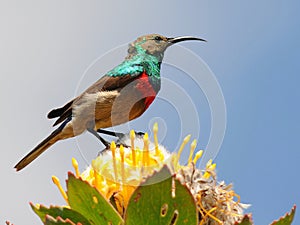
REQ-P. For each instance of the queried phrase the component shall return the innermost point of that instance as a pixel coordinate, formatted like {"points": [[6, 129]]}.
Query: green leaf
{"points": [[245, 221], [62, 212], [287, 219], [86, 200], [153, 203]]}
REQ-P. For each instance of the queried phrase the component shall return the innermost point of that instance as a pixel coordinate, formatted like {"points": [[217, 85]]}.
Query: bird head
{"points": [[155, 44]]}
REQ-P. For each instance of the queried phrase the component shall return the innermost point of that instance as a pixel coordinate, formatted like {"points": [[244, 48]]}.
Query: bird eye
{"points": [[157, 38]]}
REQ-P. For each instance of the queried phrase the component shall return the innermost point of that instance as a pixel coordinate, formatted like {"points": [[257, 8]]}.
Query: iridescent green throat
{"points": [[138, 63]]}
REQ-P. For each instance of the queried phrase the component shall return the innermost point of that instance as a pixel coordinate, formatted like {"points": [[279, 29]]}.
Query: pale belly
{"points": [[106, 109]]}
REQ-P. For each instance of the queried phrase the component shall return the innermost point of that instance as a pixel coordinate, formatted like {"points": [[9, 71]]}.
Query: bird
{"points": [[121, 95]]}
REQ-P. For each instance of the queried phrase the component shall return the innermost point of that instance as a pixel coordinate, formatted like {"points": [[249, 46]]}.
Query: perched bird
{"points": [[121, 95]]}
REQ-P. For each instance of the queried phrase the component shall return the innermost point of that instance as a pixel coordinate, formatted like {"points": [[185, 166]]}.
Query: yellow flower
{"points": [[118, 171]]}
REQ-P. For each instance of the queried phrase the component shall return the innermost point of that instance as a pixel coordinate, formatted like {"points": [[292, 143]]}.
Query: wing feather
{"points": [[106, 83]]}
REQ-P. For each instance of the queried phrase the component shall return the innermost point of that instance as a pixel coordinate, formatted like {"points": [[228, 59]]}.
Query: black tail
{"points": [[59, 111], [43, 146]]}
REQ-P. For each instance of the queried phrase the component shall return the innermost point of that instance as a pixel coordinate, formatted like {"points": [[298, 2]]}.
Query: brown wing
{"points": [[106, 83]]}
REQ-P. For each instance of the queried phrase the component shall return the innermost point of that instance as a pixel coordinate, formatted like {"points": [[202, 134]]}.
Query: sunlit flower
{"points": [[118, 171]]}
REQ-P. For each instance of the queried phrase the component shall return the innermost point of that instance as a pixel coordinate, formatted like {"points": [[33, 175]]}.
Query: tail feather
{"points": [[39, 149], [59, 111]]}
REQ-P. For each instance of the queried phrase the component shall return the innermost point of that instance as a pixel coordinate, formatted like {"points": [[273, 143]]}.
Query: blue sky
{"points": [[252, 49]]}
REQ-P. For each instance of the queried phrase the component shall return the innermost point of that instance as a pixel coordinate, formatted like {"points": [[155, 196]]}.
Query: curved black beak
{"points": [[183, 38]]}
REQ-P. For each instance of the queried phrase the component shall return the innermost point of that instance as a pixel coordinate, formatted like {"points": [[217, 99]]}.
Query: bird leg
{"points": [[111, 133], [117, 134], [92, 131]]}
